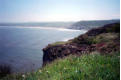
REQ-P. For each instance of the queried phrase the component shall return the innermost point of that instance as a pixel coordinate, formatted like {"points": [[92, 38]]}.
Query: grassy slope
{"points": [[86, 67]]}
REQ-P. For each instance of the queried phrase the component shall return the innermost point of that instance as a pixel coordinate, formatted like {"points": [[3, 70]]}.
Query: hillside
{"points": [[104, 39], [92, 24], [86, 67]]}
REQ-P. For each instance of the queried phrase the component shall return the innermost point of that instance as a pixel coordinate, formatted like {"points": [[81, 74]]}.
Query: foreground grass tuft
{"points": [[4, 70], [86, 67]]}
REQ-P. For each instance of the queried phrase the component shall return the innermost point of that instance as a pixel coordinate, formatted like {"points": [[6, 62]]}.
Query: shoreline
{"points": [[40, 27]]}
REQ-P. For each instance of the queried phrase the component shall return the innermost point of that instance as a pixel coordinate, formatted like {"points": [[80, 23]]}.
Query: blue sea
{"points": [[21, 47]]}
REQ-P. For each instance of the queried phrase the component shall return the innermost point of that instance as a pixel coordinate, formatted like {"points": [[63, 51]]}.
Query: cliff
{"points": [[104, 39]]}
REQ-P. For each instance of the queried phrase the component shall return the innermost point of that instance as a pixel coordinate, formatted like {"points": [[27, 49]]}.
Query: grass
{"points": [[87, 67], [59, 43], [104, 37]]}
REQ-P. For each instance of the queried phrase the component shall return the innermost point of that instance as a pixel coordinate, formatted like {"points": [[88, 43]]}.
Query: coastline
{"points": [[40, 27], [79, 57]]}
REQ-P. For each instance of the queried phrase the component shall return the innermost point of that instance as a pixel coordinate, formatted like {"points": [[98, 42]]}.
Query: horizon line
{"points": [[59, 21]]}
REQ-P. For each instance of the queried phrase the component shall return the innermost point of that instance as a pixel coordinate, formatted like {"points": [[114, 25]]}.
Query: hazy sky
{"points": [[58, 10]]}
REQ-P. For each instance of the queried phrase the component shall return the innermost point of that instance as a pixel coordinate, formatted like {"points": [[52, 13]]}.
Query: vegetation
{"points": [[58, 43], [87, 67], [92, 24], [104, 37], [84, 39], [4, 70]]}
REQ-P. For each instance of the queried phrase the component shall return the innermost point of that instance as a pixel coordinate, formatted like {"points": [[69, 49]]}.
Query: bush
{"points": [[4, 70], [84, 39], [114, 28], [105, 37]]}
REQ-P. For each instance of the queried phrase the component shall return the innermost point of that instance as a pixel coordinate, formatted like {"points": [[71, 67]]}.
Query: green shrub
{"points": [[114, 28], [84, 39], [105, 37], [4, 70]]}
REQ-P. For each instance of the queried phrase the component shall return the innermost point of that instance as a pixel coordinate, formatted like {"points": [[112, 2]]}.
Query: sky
{"points": [[58, 10]]}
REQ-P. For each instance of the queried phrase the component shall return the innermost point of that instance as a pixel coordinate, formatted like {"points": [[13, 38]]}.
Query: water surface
{"points": [[21, 47]]}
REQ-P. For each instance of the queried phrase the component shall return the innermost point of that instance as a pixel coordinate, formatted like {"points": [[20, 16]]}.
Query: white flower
{"points": [[40, 71], [76, 71], [64, 68], [47, 71], [23, 76]]}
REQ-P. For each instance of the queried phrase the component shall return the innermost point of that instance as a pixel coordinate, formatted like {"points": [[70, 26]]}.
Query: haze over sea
{"points": [[21, 47]]}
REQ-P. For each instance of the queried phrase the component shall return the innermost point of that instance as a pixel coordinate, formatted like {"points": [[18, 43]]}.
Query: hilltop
{"points": [[91, 24]]}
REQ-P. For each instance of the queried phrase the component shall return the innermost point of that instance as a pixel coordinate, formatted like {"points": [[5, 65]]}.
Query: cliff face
{"points": [[105, 39], [59, 51]]}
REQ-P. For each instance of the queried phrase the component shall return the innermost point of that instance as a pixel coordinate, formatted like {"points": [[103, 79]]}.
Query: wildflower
{"points": [[76, 71], [64, 68], [23, 76], [40, 71], [47, 71]]}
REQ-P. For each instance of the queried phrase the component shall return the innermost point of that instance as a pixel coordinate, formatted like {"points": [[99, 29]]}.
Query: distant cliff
{"points": [[104, 39], [91, 24]]}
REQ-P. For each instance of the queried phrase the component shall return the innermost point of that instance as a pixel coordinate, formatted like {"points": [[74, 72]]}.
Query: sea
{"points": [[21, 47]]}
